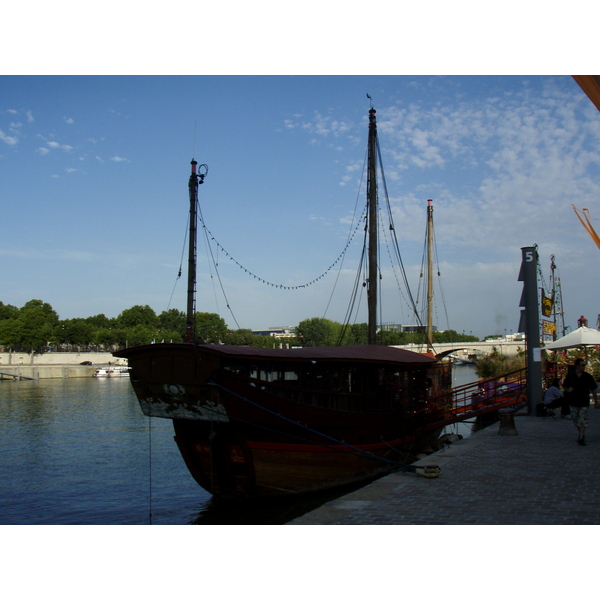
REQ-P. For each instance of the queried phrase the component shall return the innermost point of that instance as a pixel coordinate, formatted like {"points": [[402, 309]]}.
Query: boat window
{"points": [[290, 375]]}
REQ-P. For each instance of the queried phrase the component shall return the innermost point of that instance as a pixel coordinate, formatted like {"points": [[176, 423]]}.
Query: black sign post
{"points": [[530, 325]]}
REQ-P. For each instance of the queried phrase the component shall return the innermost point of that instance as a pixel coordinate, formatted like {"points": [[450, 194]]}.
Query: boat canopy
{"points": [[360, 353]]}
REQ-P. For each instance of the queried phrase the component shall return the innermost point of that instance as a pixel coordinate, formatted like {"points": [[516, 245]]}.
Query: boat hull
{"points": [[225, 463], [244, 429]]}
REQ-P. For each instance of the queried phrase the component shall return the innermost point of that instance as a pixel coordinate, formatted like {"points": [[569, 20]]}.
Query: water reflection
{"points": [[80, 451]]}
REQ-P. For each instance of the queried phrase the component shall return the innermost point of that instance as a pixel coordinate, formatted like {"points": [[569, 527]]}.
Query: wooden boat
{"points": [[262, 422]]}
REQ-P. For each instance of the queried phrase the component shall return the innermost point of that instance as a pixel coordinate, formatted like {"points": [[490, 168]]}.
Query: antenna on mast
{"points": [[371, 101]]}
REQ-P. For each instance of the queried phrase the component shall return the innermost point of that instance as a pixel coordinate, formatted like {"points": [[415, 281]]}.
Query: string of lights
{"points": [[279, 285]]}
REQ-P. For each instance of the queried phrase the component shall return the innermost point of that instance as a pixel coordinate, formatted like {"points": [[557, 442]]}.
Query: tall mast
{"points": [[430, 273], [372, 216], [195, 180], [557, 307]]}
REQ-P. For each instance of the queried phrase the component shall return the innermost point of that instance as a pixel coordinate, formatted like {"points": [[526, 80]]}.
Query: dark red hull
{"points": [[255, 422]]}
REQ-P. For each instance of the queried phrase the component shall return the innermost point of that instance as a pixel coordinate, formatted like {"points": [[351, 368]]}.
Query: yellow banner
{"points": [[547, 304]]}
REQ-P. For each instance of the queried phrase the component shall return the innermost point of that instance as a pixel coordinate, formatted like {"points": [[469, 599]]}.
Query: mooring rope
{"points": [[363, 453]]}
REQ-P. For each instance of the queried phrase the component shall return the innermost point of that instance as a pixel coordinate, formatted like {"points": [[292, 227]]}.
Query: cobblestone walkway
{"points": [[540, 476]]}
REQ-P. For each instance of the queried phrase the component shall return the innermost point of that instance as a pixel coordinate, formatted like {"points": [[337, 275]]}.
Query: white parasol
{"points": [[580, 338]]}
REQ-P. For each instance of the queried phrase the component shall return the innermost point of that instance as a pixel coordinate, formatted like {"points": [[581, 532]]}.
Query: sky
{"points": [[101, 113], [94, 173]]}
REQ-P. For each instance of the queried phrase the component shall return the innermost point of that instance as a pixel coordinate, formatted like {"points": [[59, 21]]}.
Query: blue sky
{"points": [[94, 170]]}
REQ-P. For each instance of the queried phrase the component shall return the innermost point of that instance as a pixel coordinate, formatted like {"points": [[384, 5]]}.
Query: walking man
{"points": [[578, 384]]}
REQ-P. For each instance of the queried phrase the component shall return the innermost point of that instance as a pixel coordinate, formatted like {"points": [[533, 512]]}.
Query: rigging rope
{"points": [[209, 237], [180, 263], [349, 234], [354, 449], [278, 285], [396, 246], [216, 263]]}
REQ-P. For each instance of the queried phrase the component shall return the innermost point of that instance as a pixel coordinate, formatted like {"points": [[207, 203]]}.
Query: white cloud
{"points": [[50, 254], [320, 125], [42, 150], [69, 120], [119, 159], [99, 159], [29, 116], [57, 145], [8, 139]]}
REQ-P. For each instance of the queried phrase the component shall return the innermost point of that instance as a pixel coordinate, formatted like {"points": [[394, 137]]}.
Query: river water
{"points": [[80, 451]]}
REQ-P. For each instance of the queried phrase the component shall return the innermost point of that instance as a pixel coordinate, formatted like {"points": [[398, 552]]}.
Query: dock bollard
{"points": [[507, 422]]}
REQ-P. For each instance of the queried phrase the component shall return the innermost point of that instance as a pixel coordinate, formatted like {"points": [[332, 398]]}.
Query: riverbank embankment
{"points": [[53, 365]]}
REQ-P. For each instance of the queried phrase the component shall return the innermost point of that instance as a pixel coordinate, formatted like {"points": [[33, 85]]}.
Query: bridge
{"points": [[466, 349]]}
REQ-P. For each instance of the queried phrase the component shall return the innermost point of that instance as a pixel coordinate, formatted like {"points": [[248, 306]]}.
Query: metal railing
{"points": [[483, 396]]}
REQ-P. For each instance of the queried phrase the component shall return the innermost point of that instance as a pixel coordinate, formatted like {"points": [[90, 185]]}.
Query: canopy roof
{"points": [[363, 353], [580, 338], [360, 354]]}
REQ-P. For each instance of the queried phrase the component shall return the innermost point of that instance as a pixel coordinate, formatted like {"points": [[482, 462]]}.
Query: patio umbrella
{"points": [[580, 338]]}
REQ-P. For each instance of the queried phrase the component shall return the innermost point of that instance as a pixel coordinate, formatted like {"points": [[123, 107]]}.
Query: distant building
{"points": [[277, 332], [417, 328], [390, 327]]}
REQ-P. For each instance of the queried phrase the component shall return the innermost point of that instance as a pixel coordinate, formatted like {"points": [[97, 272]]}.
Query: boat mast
{"points": [[430, 273], [195, 180], [372, 216], [557, 307]]}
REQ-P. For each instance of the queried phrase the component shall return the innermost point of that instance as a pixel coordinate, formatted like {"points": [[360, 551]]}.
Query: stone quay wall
{"points": [[53, 365]]}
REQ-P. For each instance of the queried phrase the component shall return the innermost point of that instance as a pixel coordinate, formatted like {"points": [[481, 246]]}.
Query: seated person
{"points": [[554, 398]]}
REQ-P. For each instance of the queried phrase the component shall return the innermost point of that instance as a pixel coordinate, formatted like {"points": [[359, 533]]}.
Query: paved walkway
{"points": [[540, 476]]}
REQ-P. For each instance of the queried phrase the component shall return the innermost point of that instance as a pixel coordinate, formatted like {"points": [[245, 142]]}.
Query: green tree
{"points": [[10, 333], [10, 327], [76, 332], [110, 337], [172, 320], [210, 328], [241, 337], [450, 336], [494, 364], [138, 315], [392, 338], [140, 334], [100, 321], [38, 321], [356, 334], [8, 311], [318, 332]]}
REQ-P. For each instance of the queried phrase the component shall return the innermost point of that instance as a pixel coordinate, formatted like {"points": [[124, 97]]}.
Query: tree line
{"points": [[36, 327]]}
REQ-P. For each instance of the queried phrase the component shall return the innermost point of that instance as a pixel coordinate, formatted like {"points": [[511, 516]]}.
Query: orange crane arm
{"points": [[583, 216], [590, 84]]}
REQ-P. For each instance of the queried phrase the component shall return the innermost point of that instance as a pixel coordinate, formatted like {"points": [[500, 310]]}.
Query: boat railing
{"points": [[480, 397], [490, 391]]}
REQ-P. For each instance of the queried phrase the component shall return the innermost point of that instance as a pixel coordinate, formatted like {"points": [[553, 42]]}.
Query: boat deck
{"points": [[539, 476]]}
